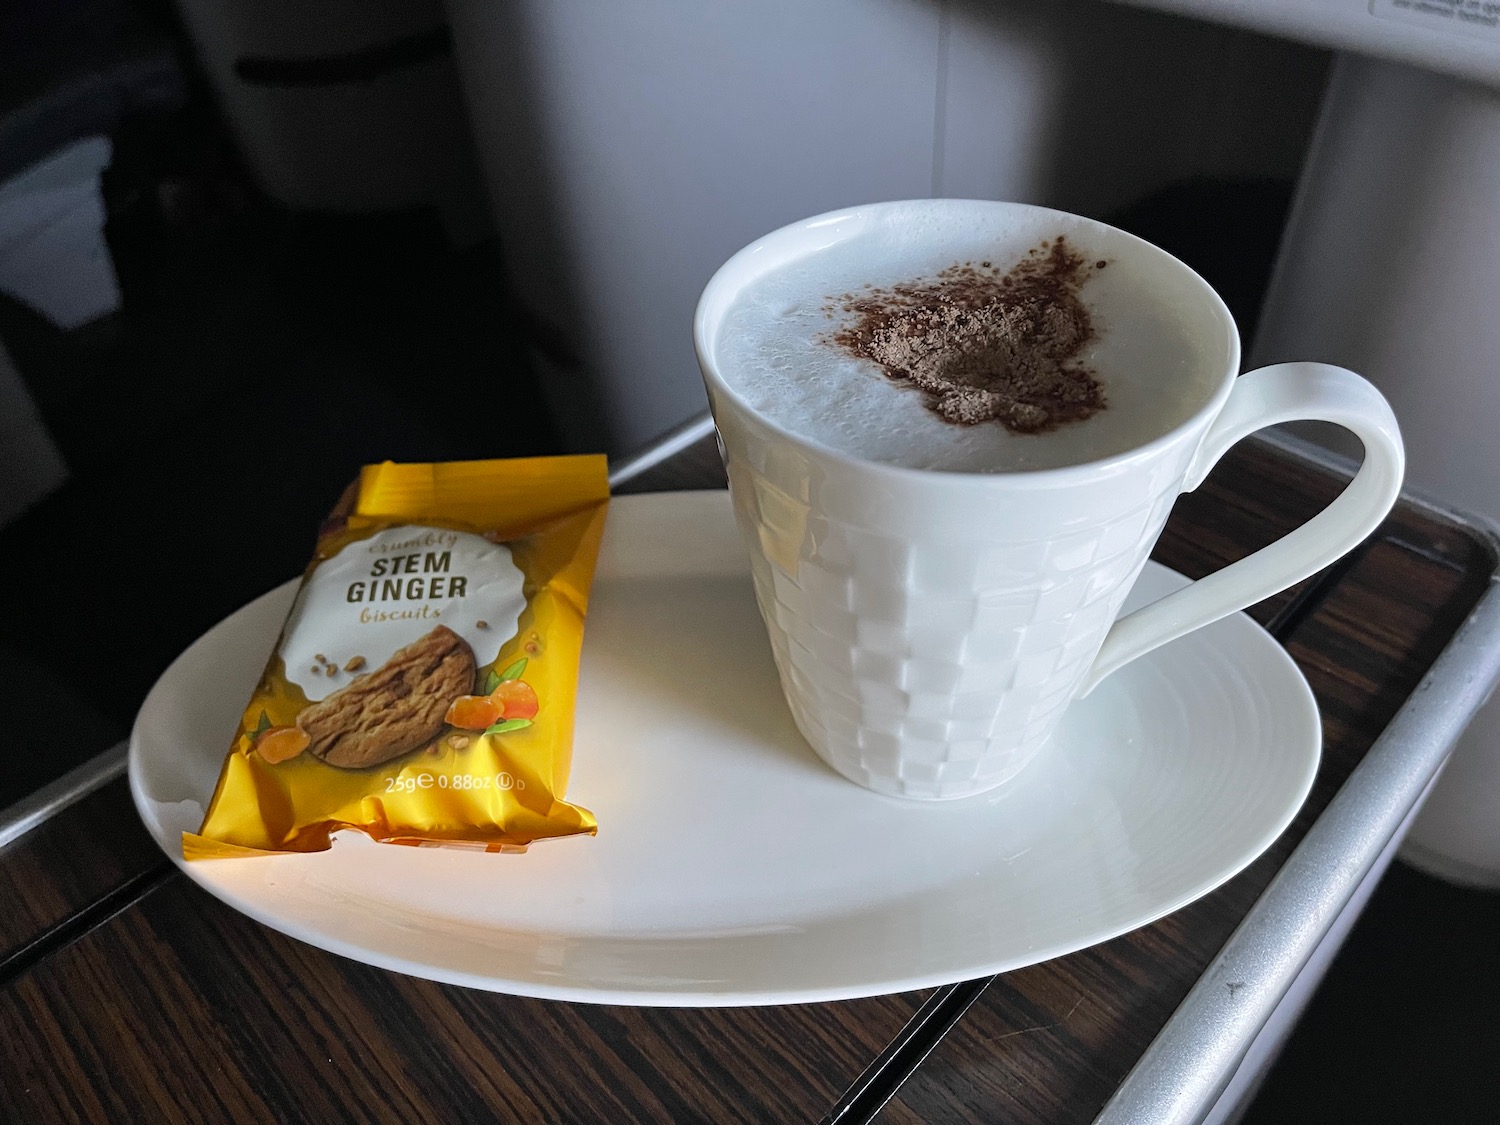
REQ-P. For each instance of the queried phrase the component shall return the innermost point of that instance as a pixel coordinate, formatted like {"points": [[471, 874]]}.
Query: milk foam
{"points": [[773, 348]]}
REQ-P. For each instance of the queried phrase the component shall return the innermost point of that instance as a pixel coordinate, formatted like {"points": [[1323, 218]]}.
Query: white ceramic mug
{"points": [[930, 628]]}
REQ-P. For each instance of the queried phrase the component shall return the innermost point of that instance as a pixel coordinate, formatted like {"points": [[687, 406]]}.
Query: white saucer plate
{"points": [[731, 865]]}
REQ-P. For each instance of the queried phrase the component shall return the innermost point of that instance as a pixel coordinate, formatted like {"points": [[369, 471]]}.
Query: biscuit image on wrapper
{"points": [[396, 708]]}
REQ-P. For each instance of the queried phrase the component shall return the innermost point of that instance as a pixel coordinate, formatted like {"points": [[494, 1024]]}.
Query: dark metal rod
{"points": [[923, 1032]]}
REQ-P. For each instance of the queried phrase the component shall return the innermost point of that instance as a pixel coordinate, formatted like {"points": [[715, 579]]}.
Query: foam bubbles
{"points": [[774, 349]]}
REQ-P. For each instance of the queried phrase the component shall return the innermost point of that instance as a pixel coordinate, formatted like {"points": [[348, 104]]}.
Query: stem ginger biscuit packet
{"points": [[422, 689]]}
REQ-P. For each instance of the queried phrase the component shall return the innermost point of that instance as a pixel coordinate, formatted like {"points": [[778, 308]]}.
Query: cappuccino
{"points": [[784, 345], [1066, 381]]}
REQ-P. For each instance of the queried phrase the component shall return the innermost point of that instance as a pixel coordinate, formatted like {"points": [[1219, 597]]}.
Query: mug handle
{"points": [[1284, 392]]}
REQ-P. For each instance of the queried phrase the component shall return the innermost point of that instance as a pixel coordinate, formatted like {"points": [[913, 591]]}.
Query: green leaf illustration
{"points": [[514, 671], [262, 726], [507, 725], [491, 681]]}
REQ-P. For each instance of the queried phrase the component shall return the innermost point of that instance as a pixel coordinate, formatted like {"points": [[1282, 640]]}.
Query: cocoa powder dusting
{"points": [[987, 346]]}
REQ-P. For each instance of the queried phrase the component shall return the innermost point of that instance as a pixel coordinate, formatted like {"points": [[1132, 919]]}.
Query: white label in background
{"points": [[1470, 17], [382, 593]]}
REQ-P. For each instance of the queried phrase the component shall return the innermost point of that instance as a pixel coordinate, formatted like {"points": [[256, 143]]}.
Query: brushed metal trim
{"points": [[1190, 1063], [671, 443], [52, 798]]}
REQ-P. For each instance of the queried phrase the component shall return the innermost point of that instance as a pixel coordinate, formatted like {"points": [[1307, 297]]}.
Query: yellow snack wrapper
{"points": [[422, 689]]}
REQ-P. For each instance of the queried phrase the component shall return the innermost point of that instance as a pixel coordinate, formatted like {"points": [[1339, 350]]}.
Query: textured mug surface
{"points": [[930, 628]]}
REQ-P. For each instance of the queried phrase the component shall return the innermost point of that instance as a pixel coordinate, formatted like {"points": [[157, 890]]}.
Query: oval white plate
{"points": [[731, 866]]}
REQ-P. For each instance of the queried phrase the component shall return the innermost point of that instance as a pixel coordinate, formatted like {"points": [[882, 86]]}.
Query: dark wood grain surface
{"points": [[54, 879], [181, 1010], [130, 995]]}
